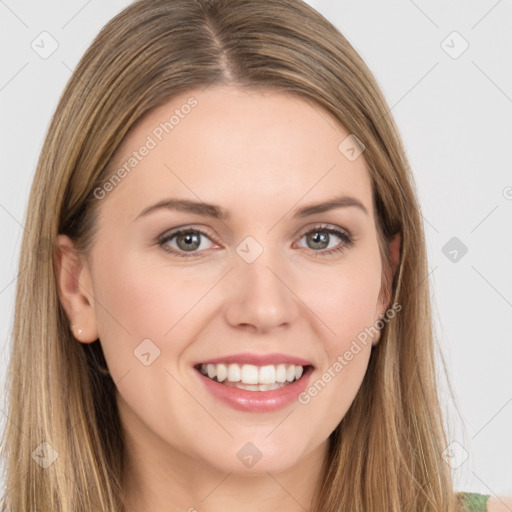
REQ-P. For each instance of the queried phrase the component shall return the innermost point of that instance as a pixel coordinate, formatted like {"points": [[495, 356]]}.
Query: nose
{"points": [[261, 294]]}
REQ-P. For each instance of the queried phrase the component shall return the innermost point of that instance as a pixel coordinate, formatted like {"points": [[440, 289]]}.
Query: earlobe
{"points": [[75, 290]]}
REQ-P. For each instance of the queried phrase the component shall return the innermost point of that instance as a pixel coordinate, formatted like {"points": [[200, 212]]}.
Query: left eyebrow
{"points": [[217, 212], [337, 202]]}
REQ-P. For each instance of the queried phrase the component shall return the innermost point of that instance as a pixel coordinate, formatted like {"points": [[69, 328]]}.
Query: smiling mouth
{"points": [[251, 377]]}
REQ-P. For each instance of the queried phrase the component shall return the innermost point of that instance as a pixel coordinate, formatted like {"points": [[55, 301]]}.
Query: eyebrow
{"points": [[217, 212]]}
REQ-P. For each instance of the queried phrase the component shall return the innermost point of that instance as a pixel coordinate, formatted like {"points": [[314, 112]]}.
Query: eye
{"points": [[320, 237], [188, 240]]}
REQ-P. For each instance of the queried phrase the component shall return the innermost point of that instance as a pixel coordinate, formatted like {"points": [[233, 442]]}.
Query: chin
{"points": [[254, 459]]}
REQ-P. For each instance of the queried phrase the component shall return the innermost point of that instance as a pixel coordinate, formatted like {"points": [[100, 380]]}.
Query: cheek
{"points": [[345, 300], [349, 312], [346, 304], [137, 301], [352, 307]]}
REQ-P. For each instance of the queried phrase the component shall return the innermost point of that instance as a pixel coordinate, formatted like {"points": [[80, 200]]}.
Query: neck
{"points": [[173, 481]]}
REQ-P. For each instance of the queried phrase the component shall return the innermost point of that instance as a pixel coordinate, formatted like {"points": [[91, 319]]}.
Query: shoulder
{"points": [[474, 502], [499, 504]]}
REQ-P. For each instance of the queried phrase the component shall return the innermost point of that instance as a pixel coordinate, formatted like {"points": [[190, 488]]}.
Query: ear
{"points": [[75, 290], [394, 260], [385, 294]]}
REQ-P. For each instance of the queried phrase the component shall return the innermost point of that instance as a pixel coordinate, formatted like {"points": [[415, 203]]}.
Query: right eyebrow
{"points": [[217, 212], [185, 205]]}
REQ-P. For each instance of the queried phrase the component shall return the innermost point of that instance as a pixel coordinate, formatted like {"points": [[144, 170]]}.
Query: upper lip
{"points": [[258, 359]]}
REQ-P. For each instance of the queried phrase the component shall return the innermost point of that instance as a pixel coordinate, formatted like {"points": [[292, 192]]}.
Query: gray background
{"points": [[453, 109]]}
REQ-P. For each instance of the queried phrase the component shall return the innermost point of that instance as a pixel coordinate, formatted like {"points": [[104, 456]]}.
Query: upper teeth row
{"points": [[251, 374]]}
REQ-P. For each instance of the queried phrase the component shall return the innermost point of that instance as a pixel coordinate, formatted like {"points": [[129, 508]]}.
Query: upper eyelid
{"points": [[205, 231], [176, 231]]}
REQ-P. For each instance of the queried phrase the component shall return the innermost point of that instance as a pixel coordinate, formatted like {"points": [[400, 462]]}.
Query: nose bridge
{"points": [[260, 292]]}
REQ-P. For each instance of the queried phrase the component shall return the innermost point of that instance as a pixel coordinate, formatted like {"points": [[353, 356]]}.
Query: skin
{"points": [[260, 155], [499, 504]]}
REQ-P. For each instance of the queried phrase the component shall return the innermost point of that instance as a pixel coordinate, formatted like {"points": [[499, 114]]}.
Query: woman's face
{"points": [[274, 282]]}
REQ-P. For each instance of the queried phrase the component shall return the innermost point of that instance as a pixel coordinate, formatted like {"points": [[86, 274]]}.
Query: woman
{"points": [[185, 341]]}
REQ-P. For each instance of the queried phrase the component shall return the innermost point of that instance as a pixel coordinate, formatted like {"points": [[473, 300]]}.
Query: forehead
{"points": [[227, 145]]}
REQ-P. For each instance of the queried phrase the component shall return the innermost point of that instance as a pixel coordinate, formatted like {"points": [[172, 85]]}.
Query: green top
{"points": [[474, 502]]}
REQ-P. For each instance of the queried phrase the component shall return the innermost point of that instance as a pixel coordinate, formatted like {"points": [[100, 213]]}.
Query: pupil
{"points": [[191, 241], [320, 238]]}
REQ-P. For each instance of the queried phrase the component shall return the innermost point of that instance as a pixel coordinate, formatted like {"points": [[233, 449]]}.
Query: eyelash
{"points": [[345, 236]]}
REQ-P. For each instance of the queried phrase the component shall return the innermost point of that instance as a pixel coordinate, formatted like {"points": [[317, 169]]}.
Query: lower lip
{"points": [[257, 401]]}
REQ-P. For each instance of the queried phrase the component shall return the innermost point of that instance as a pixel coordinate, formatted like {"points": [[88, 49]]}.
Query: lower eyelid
{"points": [[346, 240], [163, 240]]}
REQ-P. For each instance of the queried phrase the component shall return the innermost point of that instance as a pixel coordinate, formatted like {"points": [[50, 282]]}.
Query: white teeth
{"points": [[234, 373], [267, 375], [254, 387], [215, 370], [281, 373], [250, 374], [257, 376], [222, 372]]}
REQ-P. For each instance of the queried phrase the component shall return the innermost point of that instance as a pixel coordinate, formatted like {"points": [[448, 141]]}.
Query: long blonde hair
{"points": [[386, 454]]}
